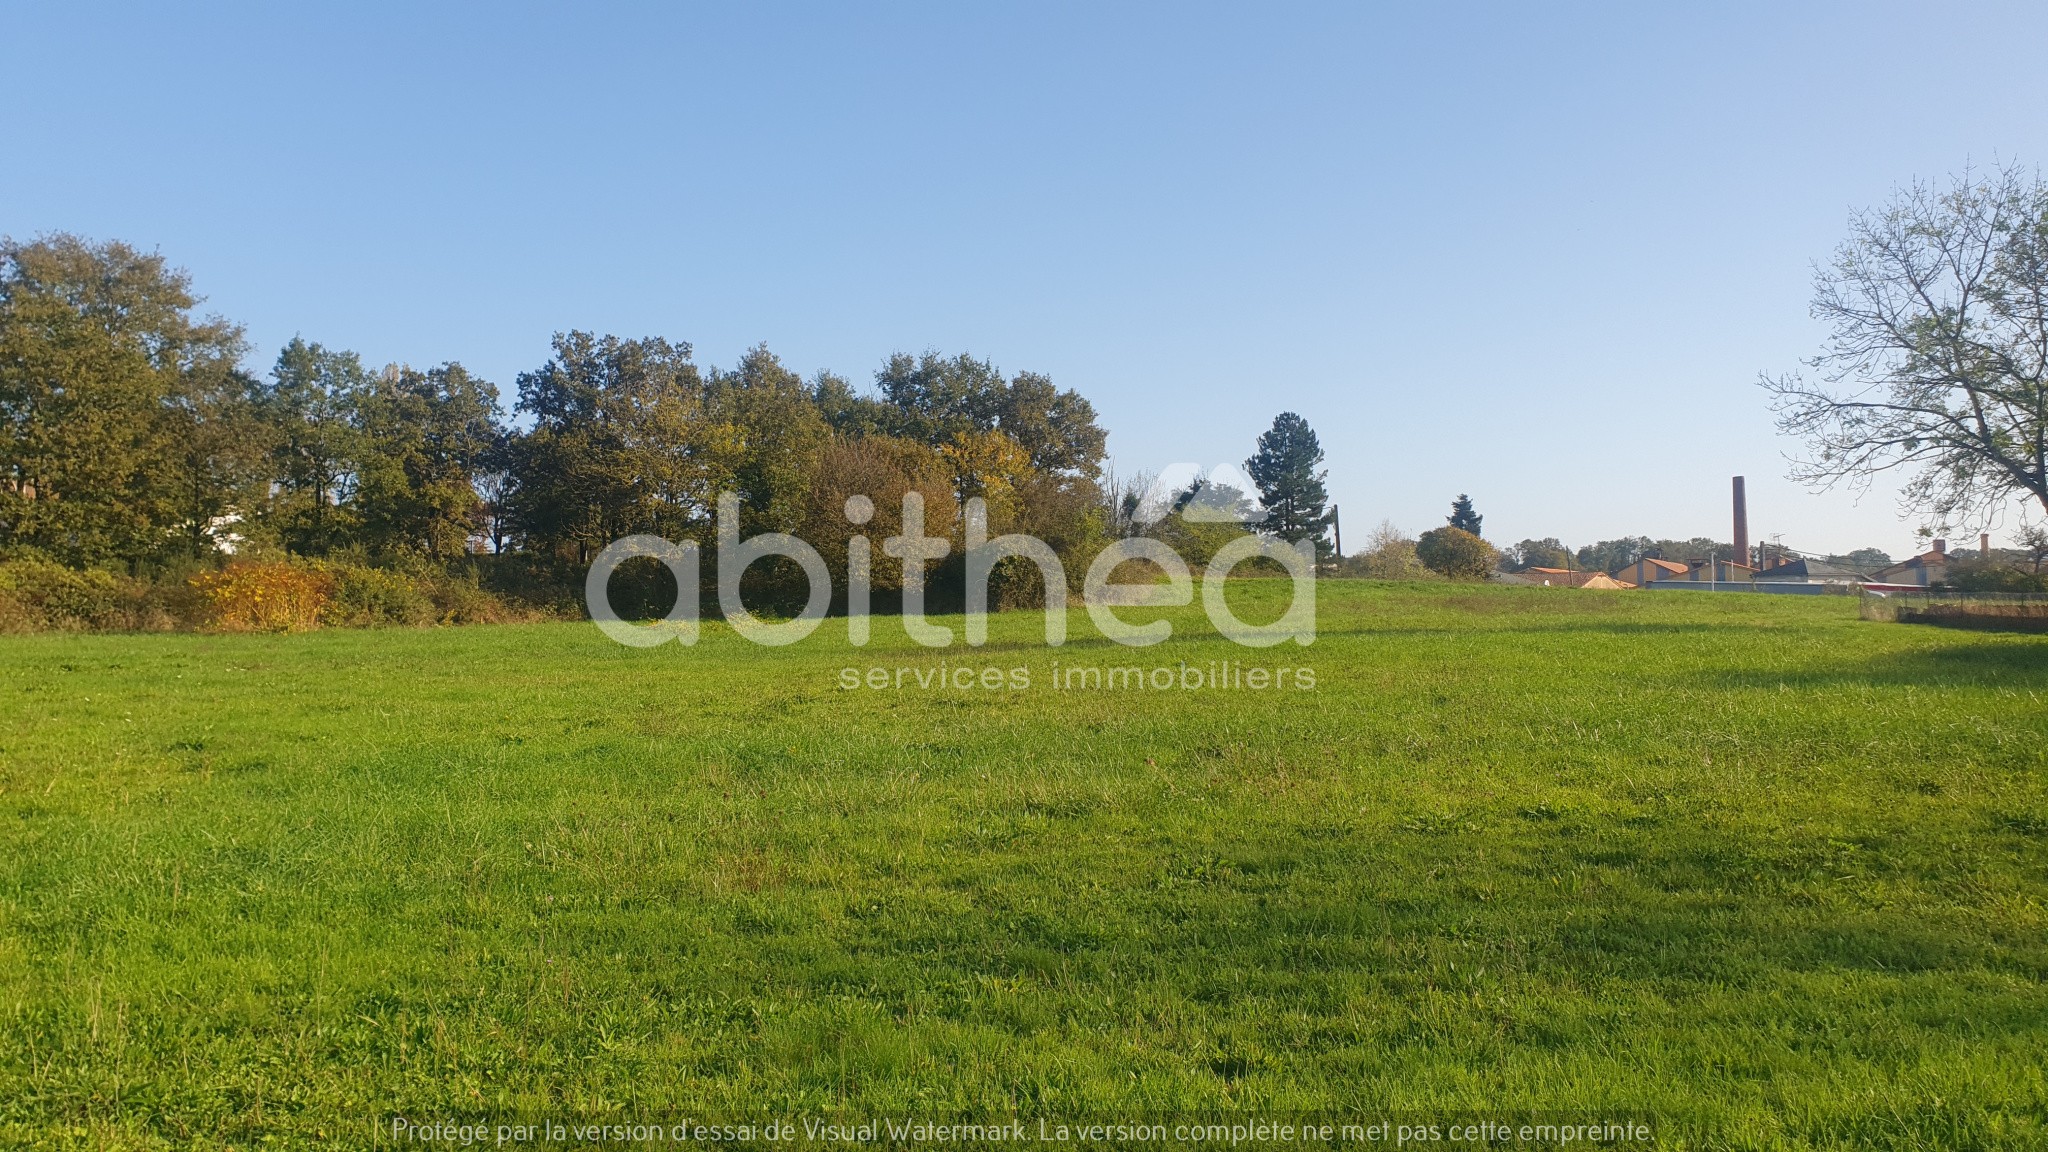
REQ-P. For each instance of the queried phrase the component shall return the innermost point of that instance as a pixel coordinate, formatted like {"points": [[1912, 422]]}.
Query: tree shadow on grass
{"points": [[1295, 920], [1533, 625], [1265, 946], [2008, 664]]}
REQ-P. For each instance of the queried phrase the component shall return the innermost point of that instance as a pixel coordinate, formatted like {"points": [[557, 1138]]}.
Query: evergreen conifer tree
{"points": [[1290, 485], [1462, 516]]}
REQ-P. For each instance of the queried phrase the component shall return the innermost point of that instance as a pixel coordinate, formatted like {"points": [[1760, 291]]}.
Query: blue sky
{"points": [[1534, 253]]}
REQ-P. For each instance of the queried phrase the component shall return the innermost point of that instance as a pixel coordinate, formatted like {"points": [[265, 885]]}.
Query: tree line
{"points": [[134, 438], [131, 434]]}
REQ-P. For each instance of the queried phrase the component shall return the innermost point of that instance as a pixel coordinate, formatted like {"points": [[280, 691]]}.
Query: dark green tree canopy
{"points": [[1608, 555], [1463, 517], [1057, 429], [103, 369], [424, 438], [1290, 485], [935, 399], [847, 412], [596, 380], [1548, 552], [618, 445], [1456, 553], [777, 435], [129, 433], [940, 400], [1206, 501], [310, 404], [215, 463]]}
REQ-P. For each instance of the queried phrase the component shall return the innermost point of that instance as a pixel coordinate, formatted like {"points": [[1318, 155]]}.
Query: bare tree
{"points": [[2033, 540], [1389, 554], [1938, 356], [1123, 498]]}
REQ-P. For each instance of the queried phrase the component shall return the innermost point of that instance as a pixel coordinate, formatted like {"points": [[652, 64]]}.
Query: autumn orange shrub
{"points": [[265, 597]]}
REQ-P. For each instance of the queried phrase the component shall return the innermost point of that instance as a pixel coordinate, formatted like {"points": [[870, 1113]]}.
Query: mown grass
{"points": [[1767, 874]]}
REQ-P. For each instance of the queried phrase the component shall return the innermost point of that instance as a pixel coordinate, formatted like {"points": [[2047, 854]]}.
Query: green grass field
{"points": [[1760, 872]]}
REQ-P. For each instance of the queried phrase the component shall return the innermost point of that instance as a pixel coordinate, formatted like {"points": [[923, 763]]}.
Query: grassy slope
{"points": [[1771, 873]]}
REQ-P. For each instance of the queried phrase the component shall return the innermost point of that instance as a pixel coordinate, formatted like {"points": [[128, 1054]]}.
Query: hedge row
{"points": [[39, 595]]}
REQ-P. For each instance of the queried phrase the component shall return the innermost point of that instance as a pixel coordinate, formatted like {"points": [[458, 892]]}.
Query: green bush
{"points": [[460, 599], [1391, 560], [38, 594], [1996, 578], [1456, 553], [377, 597], [366, 597]]}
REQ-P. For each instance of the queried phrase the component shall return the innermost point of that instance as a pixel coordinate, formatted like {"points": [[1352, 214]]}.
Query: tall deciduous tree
{"points": [[623, 442], [1937, 358], [936, 398], [779, 434], [213, 470], [940, 400], [425, 438], [310, 405], [1290, 484], [102, 367], [848, 413], [1057, 429]]}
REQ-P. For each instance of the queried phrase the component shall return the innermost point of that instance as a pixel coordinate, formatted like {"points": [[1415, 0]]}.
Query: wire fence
{"points": [[1773, 587], [2017, 611]]}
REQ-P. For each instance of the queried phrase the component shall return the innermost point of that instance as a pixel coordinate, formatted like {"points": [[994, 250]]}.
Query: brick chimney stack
{"points": [[1984, 545], [1940, 546], [1741, 524]]}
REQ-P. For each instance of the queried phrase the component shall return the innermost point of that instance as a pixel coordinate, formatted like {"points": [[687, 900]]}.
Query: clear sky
{"points": [[1537, 253]]}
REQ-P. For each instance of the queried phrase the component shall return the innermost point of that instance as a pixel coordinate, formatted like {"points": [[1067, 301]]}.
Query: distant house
{"points": [[1929, 567], [1558, 577], [1805, 571], [1645, 570], [1708, 572], [1811, 578]]}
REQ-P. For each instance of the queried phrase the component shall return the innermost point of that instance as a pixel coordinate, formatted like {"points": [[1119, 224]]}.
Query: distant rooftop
{"points": [[1807, 569]]}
